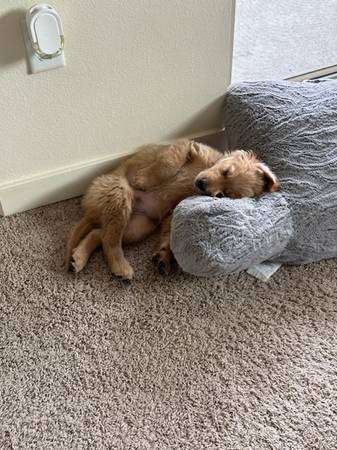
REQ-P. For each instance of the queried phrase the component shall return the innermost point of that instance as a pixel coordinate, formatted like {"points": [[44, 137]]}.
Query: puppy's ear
{"points": [[271, 182], [193, 151]]}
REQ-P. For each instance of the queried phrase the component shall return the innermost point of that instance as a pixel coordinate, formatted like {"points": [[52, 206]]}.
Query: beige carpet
{"points": [[164, 363]]}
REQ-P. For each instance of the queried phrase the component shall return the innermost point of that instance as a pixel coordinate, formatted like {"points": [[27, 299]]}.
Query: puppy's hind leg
{"points": [[112, 248], [83, 227], [116, 212], [82, 252], [138, 228]]}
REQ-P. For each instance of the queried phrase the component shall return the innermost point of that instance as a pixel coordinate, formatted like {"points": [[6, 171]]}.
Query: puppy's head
{"points": [[237, 174]]}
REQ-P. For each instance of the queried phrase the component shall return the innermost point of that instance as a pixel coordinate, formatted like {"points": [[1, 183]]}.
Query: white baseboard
{"points": [[61, 184], [53, 186]]}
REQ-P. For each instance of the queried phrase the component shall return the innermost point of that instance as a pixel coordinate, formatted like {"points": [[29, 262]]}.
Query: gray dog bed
{"points": [[293, 128]]}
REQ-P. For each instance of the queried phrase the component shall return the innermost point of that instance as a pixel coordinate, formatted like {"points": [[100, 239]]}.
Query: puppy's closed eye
{"points": [[228, 172]]}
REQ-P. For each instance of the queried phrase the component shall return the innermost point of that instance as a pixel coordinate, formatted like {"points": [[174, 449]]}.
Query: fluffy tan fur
{"points": [[129, 203]]}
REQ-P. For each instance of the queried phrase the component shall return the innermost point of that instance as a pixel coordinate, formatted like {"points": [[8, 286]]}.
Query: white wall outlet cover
{"points": [[44, 38]]}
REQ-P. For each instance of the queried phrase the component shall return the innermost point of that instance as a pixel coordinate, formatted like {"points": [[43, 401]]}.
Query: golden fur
{"points": [[129, 203]]}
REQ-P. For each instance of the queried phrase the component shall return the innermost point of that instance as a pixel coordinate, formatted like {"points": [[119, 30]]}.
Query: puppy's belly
{"points": [[147, 203]]}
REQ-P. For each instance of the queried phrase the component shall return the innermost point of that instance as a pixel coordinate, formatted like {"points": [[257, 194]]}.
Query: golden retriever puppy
{"points": [[129, 203]]}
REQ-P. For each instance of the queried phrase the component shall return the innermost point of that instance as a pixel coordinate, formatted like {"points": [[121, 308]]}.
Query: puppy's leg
{"points": [[166, 163], [112, 247], [138, 228], [78, 233], [164, 258], [116, 211], [85, 248]]}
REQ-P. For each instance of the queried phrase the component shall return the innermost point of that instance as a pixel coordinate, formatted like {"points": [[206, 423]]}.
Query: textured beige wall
{"points": [[137, 71]]}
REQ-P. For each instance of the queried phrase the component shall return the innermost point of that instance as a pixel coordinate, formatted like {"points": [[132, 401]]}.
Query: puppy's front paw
{"points": [[139, 181], [164, 261]]}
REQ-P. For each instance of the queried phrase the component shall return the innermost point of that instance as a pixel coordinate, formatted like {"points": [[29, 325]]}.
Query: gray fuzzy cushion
{"points": [[293, 128], [231, 234]]}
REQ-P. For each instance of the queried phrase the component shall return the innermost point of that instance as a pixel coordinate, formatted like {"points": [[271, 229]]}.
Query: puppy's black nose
{"points": [[201, 183]]}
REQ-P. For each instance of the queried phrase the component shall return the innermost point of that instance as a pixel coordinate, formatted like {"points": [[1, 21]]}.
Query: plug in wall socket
{"points": [[44, 39]]}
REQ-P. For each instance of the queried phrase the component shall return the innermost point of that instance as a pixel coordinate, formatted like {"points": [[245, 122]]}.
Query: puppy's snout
{"points": [[201, 184]]}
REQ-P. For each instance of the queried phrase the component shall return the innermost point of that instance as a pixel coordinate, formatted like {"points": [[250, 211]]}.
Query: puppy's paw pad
{"points": [[164, 267], [163, 262], [70, 265]]}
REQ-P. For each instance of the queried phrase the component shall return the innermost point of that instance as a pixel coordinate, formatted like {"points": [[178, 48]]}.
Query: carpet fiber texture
{"points": [[162, 363]]}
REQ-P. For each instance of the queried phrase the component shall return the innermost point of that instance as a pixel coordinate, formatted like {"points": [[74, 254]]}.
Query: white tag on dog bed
{"points": [[264, 270]]}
